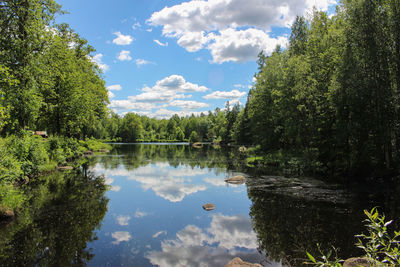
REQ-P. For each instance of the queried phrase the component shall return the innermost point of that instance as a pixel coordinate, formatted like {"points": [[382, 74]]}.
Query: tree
{"points": [[23, 37], [131, 128]]}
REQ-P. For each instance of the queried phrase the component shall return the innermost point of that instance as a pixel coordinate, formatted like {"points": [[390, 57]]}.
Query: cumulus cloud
{"points": [[97, 59], [141, 62], [188, 105], [229, 31], [122, 39], [227, 237], [167, 92], [171, 184], [234, 94], [131, 105], [124, 55], [121, 237], [123, 220], [242, 45], [160, 43], [114, 87]]}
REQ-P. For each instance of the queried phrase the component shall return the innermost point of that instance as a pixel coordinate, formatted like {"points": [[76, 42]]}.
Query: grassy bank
{"points": [[26, 156]]}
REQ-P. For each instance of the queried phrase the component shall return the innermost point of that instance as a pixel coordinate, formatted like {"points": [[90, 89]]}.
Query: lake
{"points": [[141, 205]]}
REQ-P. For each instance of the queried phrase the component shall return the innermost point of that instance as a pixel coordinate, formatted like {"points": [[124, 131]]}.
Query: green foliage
{"points": [[333, 94], [94, 145], [10, 197], [325, 260], [194, 137], [30, 151], [10, 166], [379, 245]]}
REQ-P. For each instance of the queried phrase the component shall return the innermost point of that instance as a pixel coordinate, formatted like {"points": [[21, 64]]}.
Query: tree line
{"points": [[334, 93], [216, 126]]}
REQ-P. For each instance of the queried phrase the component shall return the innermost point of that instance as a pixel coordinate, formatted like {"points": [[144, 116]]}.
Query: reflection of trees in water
{"points": [[54, 230], [134, 156], [289, 225]]}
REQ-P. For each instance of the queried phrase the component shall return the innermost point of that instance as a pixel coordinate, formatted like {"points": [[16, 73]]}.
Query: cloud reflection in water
{"points": [[227, 237]]}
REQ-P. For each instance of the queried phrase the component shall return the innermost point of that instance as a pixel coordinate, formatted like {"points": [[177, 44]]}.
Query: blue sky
{"points": [[162, 57]]}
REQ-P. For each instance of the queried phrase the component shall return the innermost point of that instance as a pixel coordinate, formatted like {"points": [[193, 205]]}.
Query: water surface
{"points": [[150, 214]]}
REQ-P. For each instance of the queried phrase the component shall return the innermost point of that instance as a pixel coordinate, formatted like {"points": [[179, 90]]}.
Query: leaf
{"points": [[389, 222], [311, 257]]}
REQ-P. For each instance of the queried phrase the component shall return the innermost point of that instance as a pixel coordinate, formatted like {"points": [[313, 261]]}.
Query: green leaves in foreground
{"points": [[380, 247]]}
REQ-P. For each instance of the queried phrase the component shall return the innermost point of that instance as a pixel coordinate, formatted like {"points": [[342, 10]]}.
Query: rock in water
{"points": [[238, 179], [357, 262], [208, 207], [237, 262]]}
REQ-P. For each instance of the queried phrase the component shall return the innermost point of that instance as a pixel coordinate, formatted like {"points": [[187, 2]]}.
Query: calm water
{"points": [[150, 214]]}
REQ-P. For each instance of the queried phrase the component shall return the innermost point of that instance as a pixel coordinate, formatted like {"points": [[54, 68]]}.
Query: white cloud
{"points": [[166, 92], [188, 105], [122, 39], [141, 62], [131, 105], [136, 25], [115, 188], [110, 94], [172, 185], [234, 94], [233, 30], [123, 220], [124, 55], [109, 181], [114, 87], [121, 237], [97, 59], [233, 102], [159, 233], [227, 237], [194, 41], [140, 214], [242, 45], [160, 43]]}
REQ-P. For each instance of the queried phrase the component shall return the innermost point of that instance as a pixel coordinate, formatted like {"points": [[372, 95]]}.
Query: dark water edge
{"points": [[289, 215]]}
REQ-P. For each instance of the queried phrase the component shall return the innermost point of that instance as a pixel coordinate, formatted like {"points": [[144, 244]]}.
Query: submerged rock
{"points": [[238, 262], [357, 262], [238, 179], [208, 207]]}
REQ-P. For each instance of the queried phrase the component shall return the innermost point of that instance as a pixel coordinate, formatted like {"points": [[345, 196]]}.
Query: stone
{"points": [[208, 207], [238, 179], [357, 262], [238, 262], [6, 214], [64, 168], [103, 150], [197, 145]]}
